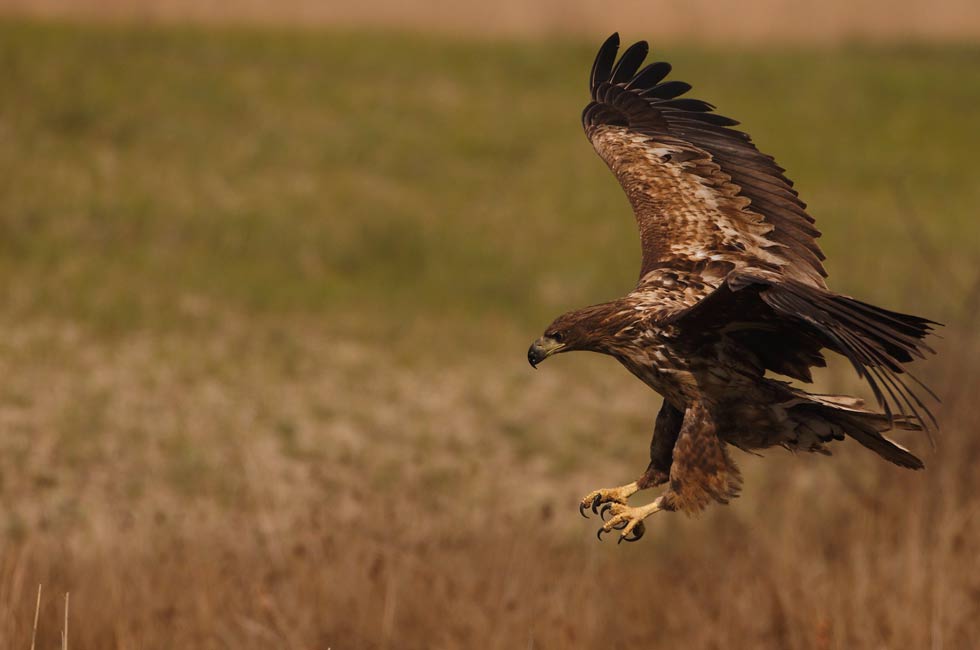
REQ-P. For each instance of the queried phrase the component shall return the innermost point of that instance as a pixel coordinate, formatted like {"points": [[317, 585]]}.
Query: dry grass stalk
{"points": [[64, 631], [37, 613]]}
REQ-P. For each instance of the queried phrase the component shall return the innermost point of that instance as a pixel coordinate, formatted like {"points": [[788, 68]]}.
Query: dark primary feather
{"points": [[629, 63], [873, 345], [651, 108], [604, 60], [650, 76], [685, 104], [667, 90]]}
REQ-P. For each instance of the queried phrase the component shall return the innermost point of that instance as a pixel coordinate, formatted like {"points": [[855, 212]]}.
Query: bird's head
{"points": [[577, 330]]}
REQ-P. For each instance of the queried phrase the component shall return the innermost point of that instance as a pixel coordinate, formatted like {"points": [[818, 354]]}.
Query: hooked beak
{"points": [[541, 349]]}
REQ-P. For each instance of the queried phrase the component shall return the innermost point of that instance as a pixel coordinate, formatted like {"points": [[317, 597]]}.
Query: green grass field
{"points": [[266, 301], [285, 173]]}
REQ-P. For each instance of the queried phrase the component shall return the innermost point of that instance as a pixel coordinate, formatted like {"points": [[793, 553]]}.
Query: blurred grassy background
{"points": [[701, 21], [267, 297]]}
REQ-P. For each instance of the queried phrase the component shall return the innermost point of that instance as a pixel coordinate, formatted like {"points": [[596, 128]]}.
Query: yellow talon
{"points": [[629, 519], [607, 495]]}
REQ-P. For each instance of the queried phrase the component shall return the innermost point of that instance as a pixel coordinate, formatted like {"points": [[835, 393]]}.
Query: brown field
{"points": [[258, 511], [267, 298]]}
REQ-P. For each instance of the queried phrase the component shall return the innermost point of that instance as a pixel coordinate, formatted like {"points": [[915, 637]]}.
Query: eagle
{"points": [[730, 306]]}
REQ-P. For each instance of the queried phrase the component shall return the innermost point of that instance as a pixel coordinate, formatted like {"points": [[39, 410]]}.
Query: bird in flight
{"points": [[731, 287]]}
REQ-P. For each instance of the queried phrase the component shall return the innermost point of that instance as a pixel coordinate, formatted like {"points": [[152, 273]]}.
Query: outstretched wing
{"points": [[705, 198], [784, 324]]}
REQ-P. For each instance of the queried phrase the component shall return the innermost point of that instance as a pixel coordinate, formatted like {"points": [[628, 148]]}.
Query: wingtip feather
{"points": [[604, 60], [630, 62]]}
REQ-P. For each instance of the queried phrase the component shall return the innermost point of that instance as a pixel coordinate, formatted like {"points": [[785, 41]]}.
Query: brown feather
{"points": [[702, 471], [701, 191]]}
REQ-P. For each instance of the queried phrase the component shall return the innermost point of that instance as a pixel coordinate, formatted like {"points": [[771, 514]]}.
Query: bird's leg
{"points": [[665, 432], [701, 472], [629, 520]]}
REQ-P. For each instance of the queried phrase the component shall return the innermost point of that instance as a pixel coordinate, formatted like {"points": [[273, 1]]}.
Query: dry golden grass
{"points": [[327, 506]]}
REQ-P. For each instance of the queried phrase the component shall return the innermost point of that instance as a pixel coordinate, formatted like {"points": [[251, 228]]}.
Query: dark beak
{"points": [[535, 355], [541, 349]]}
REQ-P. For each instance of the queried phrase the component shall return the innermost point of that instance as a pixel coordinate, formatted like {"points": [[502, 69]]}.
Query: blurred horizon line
{"points": [[696, 21]]}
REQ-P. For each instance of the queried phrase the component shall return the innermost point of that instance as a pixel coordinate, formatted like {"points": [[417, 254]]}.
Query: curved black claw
{"points": [[595, 503], [637, 534], [621, 525], [602, 511], [599, 533], [581, 510]]}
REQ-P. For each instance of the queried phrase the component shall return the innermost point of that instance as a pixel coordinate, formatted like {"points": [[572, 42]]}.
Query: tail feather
{"points": [[887, 449], [847, 415]]}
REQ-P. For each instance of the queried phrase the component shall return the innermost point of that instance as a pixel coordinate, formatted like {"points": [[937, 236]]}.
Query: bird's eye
{"points": [[558, 336]]}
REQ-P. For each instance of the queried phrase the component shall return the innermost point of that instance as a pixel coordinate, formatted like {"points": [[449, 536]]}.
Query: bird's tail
{"points": [[834, 416]]}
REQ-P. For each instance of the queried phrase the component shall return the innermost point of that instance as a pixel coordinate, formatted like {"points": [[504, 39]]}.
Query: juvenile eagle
{"points": [[731, 286]]}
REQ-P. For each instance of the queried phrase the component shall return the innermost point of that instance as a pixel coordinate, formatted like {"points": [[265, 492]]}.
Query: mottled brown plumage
{"points": [[731, 286]]}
